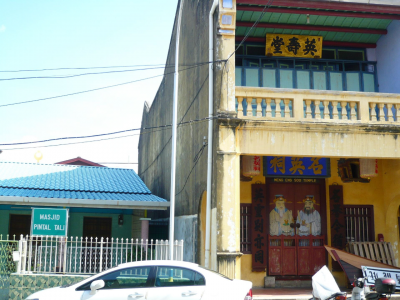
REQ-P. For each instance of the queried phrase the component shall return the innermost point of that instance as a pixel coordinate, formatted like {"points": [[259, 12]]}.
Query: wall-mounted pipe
{"points": [[210, 129]]}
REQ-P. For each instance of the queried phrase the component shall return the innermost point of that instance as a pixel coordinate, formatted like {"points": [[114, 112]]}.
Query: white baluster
{"points": [[287, 109], [308, 109], [240, 107], [259, 108], [381, 112], [268, 109], [373, 112], [396, 114], [390, 112], [249, 109], [326, 110], [317, 109], [335, 110], [278, 108], [343, 104], [353, 114]]}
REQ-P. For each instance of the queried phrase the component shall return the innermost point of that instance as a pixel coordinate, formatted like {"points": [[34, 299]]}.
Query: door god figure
{"points": [[309, 218], [280, 218]]}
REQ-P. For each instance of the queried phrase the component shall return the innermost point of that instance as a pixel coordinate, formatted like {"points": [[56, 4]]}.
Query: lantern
{"points": [[251, 165], [368, 168]]}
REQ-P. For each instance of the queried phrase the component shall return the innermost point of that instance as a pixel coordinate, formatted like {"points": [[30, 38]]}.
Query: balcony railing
{"points": [[320, 74], [316, 105]]}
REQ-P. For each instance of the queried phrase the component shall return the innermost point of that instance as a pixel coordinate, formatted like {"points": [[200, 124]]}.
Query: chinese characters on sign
{"points": [[259, 232], [296, 166], [294, 45]]}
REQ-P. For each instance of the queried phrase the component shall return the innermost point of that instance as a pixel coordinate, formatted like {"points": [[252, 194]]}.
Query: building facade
{"points": [[305, 133]]}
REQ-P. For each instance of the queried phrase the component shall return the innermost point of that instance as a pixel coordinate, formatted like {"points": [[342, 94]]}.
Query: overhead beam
{"points": [[310, 12], [359, 7], [325, 43], [313, 27]]}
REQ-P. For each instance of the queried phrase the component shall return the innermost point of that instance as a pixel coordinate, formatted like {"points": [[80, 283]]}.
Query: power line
{"points": [[101, 88], [82, 68], [195, 161], [102, 134], [77, 75], [184, 115]]}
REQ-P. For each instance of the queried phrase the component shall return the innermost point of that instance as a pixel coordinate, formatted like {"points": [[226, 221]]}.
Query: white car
{"points": [[152, 280]]}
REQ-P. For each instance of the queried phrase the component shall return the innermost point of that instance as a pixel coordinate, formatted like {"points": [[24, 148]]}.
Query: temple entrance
{"points": [[296, 227]]}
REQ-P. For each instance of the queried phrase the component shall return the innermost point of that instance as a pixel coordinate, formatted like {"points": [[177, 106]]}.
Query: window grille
{"points": [[245, 219], [359, 223]]}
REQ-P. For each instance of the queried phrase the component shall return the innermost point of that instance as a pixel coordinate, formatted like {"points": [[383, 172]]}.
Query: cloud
{"points": [[2, 28]]}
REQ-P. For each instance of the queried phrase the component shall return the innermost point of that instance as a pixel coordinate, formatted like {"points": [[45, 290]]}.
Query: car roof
{"points": [[159, 263]]}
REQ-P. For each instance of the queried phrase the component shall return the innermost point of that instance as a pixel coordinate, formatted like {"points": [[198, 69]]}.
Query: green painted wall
{"points": [[75, 223], [75, 226]]}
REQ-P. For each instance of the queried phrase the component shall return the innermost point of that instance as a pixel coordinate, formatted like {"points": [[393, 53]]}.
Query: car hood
{"points": [[47, 294]]}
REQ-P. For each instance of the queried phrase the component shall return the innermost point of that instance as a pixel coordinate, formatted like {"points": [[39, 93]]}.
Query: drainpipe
{"points": [[210, 129], [174, 129]]}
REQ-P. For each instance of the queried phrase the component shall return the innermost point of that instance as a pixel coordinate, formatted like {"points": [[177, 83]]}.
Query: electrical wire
{"points": [[184, 115], [195, 161], [101, 88], [78, 75], [94, 73], [149, 130], [83, 68]]}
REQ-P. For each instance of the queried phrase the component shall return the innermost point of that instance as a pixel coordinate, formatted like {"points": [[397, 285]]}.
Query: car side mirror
{"points": [[95, 285]]}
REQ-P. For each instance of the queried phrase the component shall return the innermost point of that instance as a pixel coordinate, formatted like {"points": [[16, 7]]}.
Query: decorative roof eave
{"points": [[313, 27], [344, 6], [111, 204], [314, 12]]}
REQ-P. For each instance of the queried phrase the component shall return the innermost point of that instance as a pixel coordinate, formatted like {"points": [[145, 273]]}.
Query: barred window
{"points": [[359, 223], [245, 221]]}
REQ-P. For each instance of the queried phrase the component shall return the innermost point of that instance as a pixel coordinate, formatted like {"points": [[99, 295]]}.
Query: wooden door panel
{"points": [[289, 266], [319, 255], [304, 261], [274, 260]]}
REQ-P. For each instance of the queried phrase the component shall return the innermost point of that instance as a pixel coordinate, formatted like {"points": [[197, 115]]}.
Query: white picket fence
{"points": [[48, 254]]}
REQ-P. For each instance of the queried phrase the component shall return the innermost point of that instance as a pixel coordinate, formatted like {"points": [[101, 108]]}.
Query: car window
{"points": [[122, 279], [175, 276]]}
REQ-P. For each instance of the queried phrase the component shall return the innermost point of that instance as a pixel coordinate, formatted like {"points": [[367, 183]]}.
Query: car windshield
{"points": [[216, 273]]}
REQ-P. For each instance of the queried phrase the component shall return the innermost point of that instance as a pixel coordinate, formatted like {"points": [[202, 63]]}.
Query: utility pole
{"points": [[174, 130]]}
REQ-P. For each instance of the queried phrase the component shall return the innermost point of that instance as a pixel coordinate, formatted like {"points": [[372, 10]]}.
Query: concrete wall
{"points": [[155, 147], [388, 58], [186, 230]]}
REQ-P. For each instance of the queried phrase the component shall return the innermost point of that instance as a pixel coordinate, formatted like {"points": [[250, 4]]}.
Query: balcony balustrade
{"points": [[317, 106]]}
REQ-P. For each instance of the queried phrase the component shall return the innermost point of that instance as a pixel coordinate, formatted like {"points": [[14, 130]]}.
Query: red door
{"points": [[295, 229]]}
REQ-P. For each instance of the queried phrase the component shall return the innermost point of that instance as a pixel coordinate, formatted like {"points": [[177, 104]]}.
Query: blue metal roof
{"points": [[72, 182]]}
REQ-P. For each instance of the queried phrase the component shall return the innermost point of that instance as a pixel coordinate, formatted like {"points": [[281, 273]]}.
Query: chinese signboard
{"points": [[259, 227], [281, 166], [294, 45], [49, 221]]}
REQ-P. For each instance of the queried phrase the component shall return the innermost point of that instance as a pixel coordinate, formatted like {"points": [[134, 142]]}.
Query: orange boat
{"points": [[351, 264]]}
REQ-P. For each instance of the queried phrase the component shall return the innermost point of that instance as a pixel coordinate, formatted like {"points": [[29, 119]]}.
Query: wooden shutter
{"points": [[338, 225], [258, 227]]}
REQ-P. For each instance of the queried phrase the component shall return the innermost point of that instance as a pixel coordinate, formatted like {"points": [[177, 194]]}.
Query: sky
{"points": [[44, 34]]}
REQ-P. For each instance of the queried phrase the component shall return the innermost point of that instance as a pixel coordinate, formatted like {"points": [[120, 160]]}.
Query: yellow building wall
{"points": [[383, 192]]}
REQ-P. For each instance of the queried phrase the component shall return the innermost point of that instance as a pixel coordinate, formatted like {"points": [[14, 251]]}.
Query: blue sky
{"points": [[40, 34]]}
